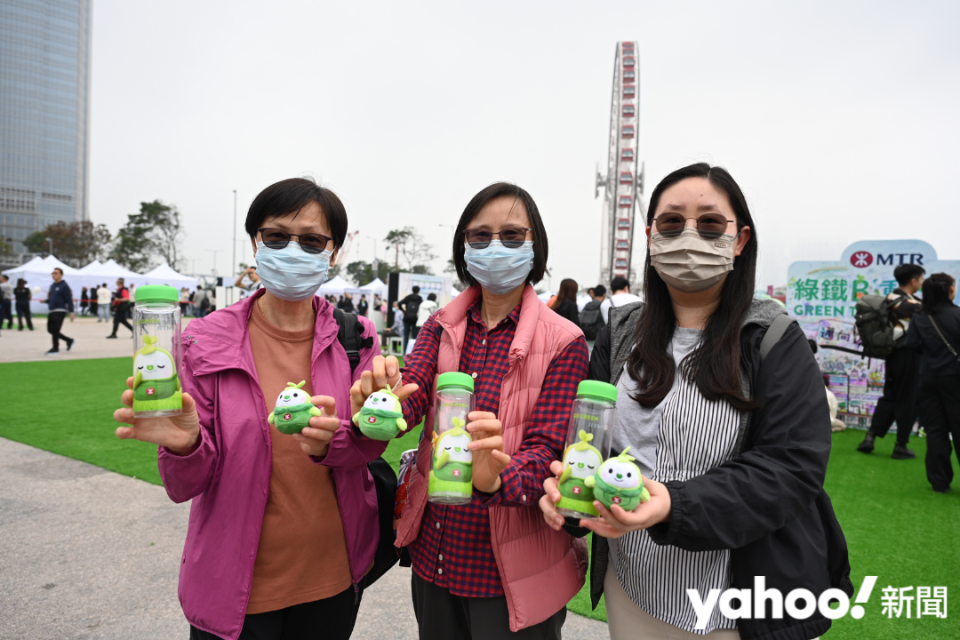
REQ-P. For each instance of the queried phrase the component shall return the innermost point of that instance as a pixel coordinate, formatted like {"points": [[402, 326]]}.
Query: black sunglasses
{"points": [[510, 237], [278, 239], [710, 226]]}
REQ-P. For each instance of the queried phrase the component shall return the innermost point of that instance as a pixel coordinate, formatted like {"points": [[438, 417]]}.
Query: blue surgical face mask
{"points": [[291, 273], [500, 269]]}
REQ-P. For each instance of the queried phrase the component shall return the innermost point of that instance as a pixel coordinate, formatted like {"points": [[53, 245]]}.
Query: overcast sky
{"points": [[838, 119]]}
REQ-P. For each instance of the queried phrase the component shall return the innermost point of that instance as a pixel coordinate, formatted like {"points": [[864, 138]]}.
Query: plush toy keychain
{"points": [[293, 410], [618, 481], [580, 461], [156, 385], [452, 460], [380, 417]]}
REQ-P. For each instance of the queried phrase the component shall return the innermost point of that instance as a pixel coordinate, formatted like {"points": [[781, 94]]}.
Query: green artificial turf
{"points": [[896, 527]]}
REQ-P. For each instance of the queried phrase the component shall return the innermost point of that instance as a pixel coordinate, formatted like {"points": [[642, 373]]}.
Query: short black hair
{"points": [[416, 289], [619, 283], [432, 296], [907, 272], [599, 290], [478, 202], [289, 197], [58, 269]]}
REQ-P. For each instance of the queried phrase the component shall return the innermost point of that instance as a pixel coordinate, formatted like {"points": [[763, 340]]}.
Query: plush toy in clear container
{"points": [[593, 414], [156, 356], [451, 463], [293, 410], [381, 417], [619, 482]]}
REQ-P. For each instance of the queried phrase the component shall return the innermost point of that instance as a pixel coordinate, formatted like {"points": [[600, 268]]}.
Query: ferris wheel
{"points": [[622, 186]]}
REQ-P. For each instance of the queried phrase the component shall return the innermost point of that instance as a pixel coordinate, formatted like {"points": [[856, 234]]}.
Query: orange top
{"points": [[302, 555]]}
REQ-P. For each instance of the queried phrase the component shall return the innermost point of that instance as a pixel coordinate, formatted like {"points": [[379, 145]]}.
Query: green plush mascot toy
{"points": [[156, 385], [380, 417], [580, 462], [452, 471], [618, 481], [293, 410]]}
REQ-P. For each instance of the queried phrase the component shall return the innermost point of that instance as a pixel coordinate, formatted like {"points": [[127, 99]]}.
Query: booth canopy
{"points": [[164, 274], [38, 271], [334, 287]]}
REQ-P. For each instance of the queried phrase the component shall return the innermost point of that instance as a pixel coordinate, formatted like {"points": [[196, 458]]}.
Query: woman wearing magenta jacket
{"points": [[283, 528]]}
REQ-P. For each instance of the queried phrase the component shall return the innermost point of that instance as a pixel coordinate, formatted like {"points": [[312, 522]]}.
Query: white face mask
{"points": [[291, 273], [500, 269], [691, 263]]}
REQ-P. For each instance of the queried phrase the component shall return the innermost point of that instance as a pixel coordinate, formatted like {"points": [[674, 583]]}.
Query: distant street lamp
{"points": [[233, 265], [50, 242]]}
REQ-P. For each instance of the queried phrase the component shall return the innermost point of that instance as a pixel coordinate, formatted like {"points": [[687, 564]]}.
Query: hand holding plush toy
{"points": [[381, 417], [293, 410], [618, 482]]}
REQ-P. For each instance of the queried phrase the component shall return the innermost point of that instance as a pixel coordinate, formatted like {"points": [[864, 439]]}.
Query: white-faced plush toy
{"points": [[156, 385], [293, 410], [580, 461], [618, 481], [452, 461], [381, 417]]}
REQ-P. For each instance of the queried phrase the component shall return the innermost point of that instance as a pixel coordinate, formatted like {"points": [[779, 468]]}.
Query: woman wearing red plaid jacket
{"points": [[493, 568]]}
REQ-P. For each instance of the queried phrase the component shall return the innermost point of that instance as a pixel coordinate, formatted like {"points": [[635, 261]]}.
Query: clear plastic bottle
{"points": [[588, 444], [451, 463], [156, 356]]}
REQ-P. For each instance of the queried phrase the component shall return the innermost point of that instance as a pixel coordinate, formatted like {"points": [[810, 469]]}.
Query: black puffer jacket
{"points": [[767, 504]]}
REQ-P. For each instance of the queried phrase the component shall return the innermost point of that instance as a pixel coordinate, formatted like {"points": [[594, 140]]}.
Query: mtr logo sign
{"points": [[864, 259]]}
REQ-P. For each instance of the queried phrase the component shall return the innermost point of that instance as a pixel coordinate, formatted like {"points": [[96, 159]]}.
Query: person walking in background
{"points": [[346, 303], [84, 301], [94, 302], [59, 304], [410, 306], [566, 303], [901, 371], [22, 296], [362, 306], [201, 301], [427, 308], [935, 334], [620, 296], [6, 306], [184, 301], [103, 303], [121, 307], [591, 317]]}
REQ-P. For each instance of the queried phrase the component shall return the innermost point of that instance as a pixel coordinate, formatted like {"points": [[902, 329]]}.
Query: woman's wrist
{"points": [[188, 447]]}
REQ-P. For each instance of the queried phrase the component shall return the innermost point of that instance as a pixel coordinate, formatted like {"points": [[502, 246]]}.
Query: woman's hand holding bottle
{"points": [[489, 460], [179, 434]]}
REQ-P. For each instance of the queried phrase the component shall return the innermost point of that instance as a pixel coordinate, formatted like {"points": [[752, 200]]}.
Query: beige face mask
{"points": [[690, 263]]}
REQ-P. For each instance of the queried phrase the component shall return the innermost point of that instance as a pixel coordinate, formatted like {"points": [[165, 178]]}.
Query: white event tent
{"points": [[37, 273], [334, 287], [164, 274]]}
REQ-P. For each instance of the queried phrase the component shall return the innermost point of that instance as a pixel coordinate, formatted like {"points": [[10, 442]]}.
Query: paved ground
{"points": [[26, 345], [86, 553]]}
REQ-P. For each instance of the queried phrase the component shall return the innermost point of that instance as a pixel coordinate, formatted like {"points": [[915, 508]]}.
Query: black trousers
{"points": [[899, 401], [120, 317], [442, 616], [6, 313], [23, 311], [328, 619], [54, 324], [940, 416], [409, 331]]}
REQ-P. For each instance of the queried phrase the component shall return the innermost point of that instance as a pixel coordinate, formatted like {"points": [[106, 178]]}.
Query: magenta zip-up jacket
{"points": [[228, 475]]}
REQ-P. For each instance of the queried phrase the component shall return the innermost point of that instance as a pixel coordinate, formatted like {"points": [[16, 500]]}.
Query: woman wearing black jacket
{"points": [[566, 303], [935, 333], [731, 432]]}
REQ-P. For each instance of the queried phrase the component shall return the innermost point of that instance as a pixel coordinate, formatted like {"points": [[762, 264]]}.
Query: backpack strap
{"points": [[350, 336], [776, 330]]}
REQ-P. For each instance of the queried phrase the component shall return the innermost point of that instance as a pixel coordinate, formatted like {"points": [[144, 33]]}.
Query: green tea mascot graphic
{"points": [[452, 462], [618, 481], [293, 410], [156, 385], [381, 417], [580, 461]]}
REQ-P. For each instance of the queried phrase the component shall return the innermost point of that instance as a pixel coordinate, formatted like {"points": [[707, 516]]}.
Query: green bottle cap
{"points": [[597, 390], [454, 380], [157, 293]]}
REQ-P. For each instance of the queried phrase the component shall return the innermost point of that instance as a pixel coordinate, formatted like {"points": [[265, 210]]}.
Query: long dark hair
{"points": [[715, 366], [568, 291], [936, 291]]}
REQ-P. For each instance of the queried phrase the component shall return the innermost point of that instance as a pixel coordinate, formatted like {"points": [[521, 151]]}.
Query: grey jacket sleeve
{"points": [[779, 474]]}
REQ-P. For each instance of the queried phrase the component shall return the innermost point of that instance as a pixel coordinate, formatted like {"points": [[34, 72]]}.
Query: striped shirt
{"points": [[684, 437]]}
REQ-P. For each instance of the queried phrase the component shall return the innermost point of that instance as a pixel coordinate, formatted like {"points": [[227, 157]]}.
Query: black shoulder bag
{"points": [[350, 335]]}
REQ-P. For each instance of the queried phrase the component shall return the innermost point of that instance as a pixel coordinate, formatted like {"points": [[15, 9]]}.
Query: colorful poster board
{"points": [[822, 296]]}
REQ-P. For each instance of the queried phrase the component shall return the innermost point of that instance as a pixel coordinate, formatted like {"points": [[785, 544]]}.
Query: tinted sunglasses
{"points": [[273, 238], [709, 225], [510, 237]]}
